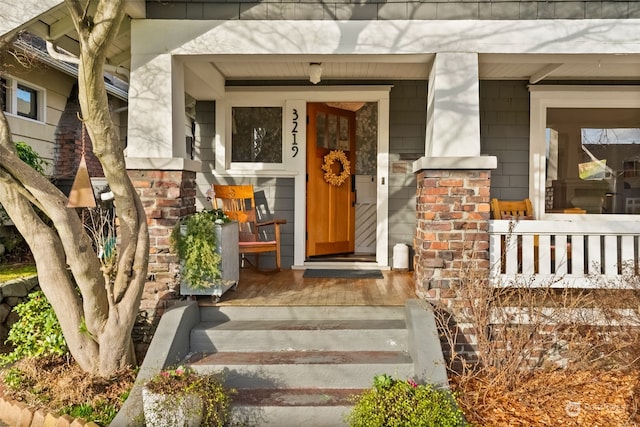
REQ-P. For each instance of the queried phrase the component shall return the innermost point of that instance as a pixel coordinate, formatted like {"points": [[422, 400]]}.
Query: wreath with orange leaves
{"points": [[331, 158]]}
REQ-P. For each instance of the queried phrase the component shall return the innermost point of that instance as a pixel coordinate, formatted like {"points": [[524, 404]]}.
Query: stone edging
{"points": [[16, 413]]}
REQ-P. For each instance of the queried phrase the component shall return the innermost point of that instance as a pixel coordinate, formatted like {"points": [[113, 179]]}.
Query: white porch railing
{"points": [[585, 253]]}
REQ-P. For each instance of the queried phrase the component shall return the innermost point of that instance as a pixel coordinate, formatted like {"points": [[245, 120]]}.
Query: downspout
{"points": [[52, 50]]}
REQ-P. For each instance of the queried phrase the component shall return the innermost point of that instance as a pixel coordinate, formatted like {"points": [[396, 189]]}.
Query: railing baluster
{"points": [[594, 260], [610, 255], [544, 254], [560, 255], [577, 255]]}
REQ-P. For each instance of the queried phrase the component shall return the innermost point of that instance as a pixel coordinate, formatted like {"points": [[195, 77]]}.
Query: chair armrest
{"points": [[272, 222]]}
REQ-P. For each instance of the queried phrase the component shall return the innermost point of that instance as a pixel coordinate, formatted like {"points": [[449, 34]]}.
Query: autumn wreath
{"points": [[329, 160]]}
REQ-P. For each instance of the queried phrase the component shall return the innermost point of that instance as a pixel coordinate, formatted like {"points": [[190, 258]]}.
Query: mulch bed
{"points": [[558, 398]]}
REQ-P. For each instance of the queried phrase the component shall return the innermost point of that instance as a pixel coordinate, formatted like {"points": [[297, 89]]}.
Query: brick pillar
{"points": [[452, 241], [166, 196]]}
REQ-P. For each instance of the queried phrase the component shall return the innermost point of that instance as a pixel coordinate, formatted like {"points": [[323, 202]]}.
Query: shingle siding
{"points": [[407, 130], [379, 9], [504, 133]]}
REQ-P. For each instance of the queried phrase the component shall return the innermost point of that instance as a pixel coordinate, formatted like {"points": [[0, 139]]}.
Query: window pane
{"points": [[257, 134], [4, 103], [27, 102], [593, 159], [321, 134]]}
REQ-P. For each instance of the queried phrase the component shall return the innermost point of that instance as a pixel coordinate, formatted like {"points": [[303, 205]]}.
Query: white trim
{"points": [[562, 96], [380, 37], [12, 97], [250, 100]]}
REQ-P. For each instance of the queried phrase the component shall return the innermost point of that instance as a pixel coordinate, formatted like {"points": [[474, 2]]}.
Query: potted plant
{"points": [[207, 244], [393, 402], [182, 397]]}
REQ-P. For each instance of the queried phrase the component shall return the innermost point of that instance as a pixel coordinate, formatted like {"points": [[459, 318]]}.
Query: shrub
{"points": [[37, 333], [196, 245], [393, 402]]}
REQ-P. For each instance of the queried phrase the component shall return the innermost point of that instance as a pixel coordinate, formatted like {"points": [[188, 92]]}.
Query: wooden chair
{"points": [[238, 202], [511, 209]]}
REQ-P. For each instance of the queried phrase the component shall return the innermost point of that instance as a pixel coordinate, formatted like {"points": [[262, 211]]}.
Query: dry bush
{"points": [[544, 355]]}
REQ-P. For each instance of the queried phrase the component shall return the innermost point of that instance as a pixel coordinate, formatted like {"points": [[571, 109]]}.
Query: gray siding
{"points": [[407, 135], [504, 133], [407, 130], [274, 196], [379, 9]]}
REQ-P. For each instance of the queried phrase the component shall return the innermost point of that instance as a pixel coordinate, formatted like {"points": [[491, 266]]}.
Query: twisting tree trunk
{"points": [[96, 321]]}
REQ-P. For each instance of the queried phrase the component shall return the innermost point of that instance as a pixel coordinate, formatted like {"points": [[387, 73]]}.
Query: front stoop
{"points": [[296, 366]]}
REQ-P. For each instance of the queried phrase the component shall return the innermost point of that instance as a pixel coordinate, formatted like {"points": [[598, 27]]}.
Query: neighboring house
{"points": [[454, 103], [39, 96]]}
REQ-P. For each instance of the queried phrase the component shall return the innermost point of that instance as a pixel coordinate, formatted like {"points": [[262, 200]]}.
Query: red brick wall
{"points": [[68, 146], [166, 196], [452, 240]]}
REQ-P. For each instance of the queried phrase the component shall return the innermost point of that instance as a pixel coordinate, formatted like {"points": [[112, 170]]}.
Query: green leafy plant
{"points": [[100, 412], [194, 240], [30, 157], [37, 333], [181, 381], [396, 403]]}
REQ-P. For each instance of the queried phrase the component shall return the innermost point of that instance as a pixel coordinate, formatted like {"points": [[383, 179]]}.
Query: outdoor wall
{"points": [[504, 133], [41, 135], [426, 9], [407, 128], [276, 194]]}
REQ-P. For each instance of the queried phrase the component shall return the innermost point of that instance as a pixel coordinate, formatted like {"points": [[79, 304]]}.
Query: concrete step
{"points": [[227, 313], [304, 369], [292, 335], [300, 366], [314, 407]]}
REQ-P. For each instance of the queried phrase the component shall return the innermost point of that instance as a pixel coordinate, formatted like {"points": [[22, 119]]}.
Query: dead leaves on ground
{"points": [[559, 398]]}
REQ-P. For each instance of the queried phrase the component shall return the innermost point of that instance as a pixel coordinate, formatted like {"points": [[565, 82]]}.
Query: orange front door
{"points": [[330, 205]]}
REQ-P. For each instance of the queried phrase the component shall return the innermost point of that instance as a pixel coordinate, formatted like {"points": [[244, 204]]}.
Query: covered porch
{"points": [[290, 288]]}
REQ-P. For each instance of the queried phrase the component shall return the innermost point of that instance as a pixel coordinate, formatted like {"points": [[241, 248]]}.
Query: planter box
{"points": [[165, 410], [227, 238]]}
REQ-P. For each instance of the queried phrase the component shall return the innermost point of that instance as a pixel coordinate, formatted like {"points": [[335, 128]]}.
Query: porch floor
{"points": [[289, 288]]}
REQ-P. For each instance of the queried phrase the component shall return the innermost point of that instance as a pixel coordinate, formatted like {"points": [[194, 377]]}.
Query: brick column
{"points": [[452, 241], [166, 196]]}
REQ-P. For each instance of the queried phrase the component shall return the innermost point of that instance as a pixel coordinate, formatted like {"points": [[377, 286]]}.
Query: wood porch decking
{"points": [[289, 288]]}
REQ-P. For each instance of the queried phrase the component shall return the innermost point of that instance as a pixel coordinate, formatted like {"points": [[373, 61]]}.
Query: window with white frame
{"points": [[256, 135], [22, 99], [585, 150]]}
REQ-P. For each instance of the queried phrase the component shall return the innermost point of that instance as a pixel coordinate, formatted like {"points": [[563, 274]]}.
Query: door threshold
{"points": [[353, 265]]}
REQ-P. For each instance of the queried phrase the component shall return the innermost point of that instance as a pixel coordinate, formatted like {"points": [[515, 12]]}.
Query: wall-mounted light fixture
{"points": [[315, 72]]}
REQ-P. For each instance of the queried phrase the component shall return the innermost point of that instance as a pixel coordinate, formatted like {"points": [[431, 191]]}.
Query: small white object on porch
{"points": [[589, 253]]}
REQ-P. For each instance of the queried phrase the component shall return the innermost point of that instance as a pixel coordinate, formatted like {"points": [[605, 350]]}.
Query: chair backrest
{"points": [[238, 202], [511, 209]]}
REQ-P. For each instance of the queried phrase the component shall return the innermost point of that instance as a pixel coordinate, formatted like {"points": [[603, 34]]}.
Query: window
{"points": [[256, 135], [589, 150], [27, 102], [4, 102], [20, 99]]}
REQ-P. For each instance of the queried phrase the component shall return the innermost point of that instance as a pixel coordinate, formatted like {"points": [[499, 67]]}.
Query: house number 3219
{"points": [[294, 132]]}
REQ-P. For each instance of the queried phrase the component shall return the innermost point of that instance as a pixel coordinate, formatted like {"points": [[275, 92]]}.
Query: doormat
{"points": [[343, 273]]}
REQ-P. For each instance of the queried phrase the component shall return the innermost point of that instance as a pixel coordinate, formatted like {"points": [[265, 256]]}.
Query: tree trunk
{"points": [[96, 321]]}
